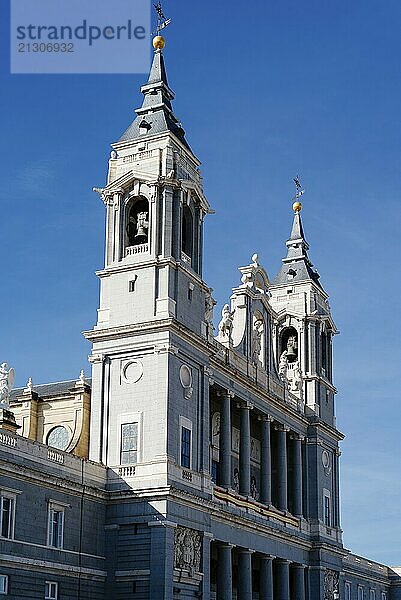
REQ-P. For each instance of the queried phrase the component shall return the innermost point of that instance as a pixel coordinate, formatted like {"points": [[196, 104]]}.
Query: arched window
{"points": [[187, 231], [137, 222], [58, 437], [289, 344]]}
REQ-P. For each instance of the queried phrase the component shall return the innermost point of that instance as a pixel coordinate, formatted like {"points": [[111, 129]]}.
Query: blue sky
{"points": [[264, 91]]}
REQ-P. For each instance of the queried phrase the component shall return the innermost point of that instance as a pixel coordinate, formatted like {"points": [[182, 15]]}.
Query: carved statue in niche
{"points": [[187, 550], [296, 380], [257, 333], [226, 324], [209, 305], [331, 585], [236, 480], [216, 430], [283, 365], [6, 384], [254, 488]]}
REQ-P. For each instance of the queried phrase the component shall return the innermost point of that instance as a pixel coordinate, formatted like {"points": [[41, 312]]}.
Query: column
{"points": [[245, 450], [282, 467], [225, 440], [206, 546], [297, 475], [265, 464], [298, 582], [282, 580], [224, 573], [244, 574], [266, 577]]}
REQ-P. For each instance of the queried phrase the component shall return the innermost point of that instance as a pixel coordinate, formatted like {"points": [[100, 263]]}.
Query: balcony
{"points": [[139, 249]]}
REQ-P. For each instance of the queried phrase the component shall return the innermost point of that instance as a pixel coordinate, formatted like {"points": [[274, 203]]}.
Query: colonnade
{"points": [[282, 489], [279, 579]]}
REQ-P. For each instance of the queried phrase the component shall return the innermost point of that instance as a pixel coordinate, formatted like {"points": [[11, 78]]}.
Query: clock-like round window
{"points": [[58, 438]]}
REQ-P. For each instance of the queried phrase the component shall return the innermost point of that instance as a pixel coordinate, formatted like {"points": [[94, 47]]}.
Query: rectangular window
{"points": [[185, 447], [327, 508], [129, 444], [51, 590], [360, 592], [347, 591], [7, 508], [4, 584], [56, 527]]}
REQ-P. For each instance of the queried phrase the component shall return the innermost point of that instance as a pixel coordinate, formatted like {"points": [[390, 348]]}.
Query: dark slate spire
{"points": [[156, 113], [296, 266]]}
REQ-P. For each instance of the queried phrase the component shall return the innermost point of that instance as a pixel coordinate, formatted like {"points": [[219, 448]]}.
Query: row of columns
{"points": [[269, 590], [266, 459]]}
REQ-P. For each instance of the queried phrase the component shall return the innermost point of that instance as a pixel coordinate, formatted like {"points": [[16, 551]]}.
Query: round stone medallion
{"points": [[186, 376], [132, 371]]}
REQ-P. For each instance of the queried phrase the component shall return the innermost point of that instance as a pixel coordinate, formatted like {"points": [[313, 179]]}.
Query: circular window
{"points": [[58, 438], [326, 459], [185, 376]]}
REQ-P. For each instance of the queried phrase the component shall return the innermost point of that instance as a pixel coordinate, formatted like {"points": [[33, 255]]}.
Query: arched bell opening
{"points": [[137, 222], [289, 344], [187, 232]]}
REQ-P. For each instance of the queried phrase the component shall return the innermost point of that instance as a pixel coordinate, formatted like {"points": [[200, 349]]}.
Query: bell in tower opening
{"points": [[137, 228], [289, 344]]}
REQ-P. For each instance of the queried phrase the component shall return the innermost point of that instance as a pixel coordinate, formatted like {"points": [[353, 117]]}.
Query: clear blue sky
{"points": [[265, 90]]}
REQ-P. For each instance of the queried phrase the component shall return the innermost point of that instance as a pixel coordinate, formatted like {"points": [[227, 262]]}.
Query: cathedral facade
{"points": [[197, 462]]}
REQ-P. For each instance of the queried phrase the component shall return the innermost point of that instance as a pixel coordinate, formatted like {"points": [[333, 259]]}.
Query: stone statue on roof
{"points": [[6, 383]]}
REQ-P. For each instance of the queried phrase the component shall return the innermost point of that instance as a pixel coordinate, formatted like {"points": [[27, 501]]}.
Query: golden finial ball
{"points": [[297, 206], [159, 42]]}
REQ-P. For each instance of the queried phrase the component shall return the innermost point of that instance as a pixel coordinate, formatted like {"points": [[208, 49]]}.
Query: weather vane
{"points": [[162, 20], [297, 206]]}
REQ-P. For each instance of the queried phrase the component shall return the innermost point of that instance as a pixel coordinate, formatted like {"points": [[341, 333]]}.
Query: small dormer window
{"points": [[291, 273], [144, 127]]}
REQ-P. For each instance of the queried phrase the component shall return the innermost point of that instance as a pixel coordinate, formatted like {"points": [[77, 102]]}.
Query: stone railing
{"points": [[185, 258], [139, 249]]}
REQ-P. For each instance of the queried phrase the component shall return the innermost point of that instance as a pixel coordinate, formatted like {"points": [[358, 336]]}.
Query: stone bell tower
{"points": [[305, 328], [151, 282]]}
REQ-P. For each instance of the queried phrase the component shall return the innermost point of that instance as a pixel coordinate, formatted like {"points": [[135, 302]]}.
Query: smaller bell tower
{"points": [[305, 328]]}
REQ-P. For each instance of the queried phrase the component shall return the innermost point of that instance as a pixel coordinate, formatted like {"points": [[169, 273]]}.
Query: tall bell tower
{"points": [[151, 286]]}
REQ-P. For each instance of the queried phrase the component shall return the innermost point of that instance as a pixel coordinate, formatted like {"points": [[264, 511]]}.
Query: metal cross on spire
{"points": [[299, 191], [162, 20]]}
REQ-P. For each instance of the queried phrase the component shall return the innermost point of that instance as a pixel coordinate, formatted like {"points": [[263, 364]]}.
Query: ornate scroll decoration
{"points": [[187, 550], [331, 585]]}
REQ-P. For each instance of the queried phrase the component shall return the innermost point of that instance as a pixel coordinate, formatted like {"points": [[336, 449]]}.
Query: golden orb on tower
{"points": [[159, 42], [297, 206]]}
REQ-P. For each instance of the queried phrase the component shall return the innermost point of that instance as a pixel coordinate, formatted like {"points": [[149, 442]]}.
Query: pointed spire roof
{"points": [[156, 113], [296, 265]]}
